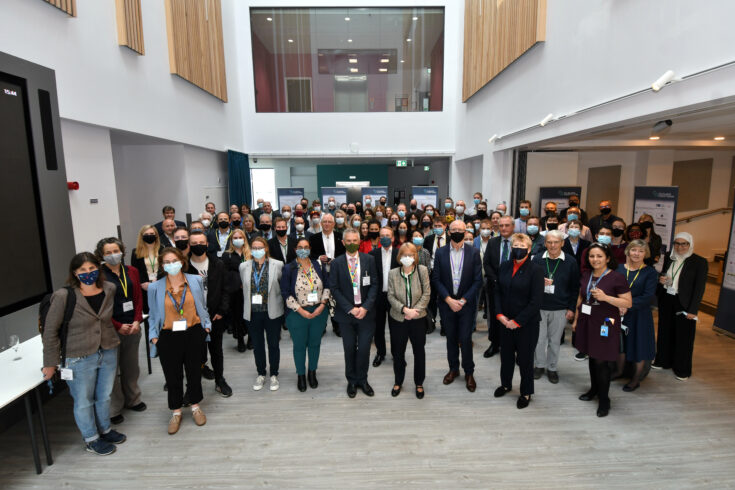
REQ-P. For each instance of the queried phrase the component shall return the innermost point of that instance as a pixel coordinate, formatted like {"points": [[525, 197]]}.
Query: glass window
{"points": [[263, 182], [348, 59]]}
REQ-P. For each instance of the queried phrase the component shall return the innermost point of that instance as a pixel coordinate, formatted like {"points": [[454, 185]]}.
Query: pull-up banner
{"points": [[338, 193], [660, 203], [374, 194], [557, 195], [725, 316], [425, 195], [289, 196]]}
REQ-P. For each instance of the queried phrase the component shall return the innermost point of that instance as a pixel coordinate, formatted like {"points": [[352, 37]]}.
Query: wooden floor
{"points": [[668, 434]]}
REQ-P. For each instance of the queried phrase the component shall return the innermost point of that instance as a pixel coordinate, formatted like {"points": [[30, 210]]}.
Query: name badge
{"points": [[219, 253], [152, 277], [586, 309], [603, 330], [67, 374], [257, 299], [179, 326], [366, 281], [670, 290], [312, 298], [128, 306], [624, 329], [355, 290], [549, 289]]}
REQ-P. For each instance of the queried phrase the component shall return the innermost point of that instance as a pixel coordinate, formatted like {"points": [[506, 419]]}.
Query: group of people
{"points": [[255, 272]]}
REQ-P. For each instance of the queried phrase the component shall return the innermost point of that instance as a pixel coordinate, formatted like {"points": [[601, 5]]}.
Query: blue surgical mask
{"points": [[401, 214], [356, 223], [532, 229], [258, 253], [447, 205], [89, 278], [302, 253], [477, 226], [604, 239], [418, 241], [430, 212], [572, 216], [438, 230], [260, 204], [477, 201], [340, 221], [525, 211], [385, 241], [573, 232], [367, 201], [173, 268], [238, 242]]}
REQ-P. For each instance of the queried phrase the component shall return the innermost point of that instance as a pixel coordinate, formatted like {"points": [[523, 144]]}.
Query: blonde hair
{"points": [[351, 221], [638, 244], [141, 246], [245, 246], [521, 237], [408, 248]]}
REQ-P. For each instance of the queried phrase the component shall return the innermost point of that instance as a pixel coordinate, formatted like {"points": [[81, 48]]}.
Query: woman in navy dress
{"points": [[597, 322], [640, 340]]}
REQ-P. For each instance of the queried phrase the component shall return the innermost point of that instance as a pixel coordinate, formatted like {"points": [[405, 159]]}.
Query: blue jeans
{"points": [[91, 387]]}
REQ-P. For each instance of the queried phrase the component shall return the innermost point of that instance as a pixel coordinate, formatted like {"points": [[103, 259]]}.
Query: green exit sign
{"points": [[426, 168], [401, 163]]}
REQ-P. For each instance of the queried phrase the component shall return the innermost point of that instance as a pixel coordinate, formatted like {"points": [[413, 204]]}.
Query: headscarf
{"points": [[677, 260]]}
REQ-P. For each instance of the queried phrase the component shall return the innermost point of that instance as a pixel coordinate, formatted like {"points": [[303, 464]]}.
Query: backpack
{"points": [[43, 307]]}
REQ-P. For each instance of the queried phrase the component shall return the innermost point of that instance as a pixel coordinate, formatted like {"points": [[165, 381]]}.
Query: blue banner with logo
{"points": [[660, 203], [289, 196], [557, 195], [425, 195], [725, 316], [374, 194], [338, 193]]}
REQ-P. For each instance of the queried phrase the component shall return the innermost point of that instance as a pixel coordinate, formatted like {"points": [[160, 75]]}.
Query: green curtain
{"points": [[238, 171]]}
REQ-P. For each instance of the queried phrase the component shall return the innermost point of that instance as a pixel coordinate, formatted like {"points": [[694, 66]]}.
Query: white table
{"points": [[21, 379]]}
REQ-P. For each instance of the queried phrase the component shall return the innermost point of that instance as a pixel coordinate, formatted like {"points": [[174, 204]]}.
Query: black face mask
{"points": [[482, 214], [149, 239], [413, 207], [617, 232], [457, 236], [236, 222], [518, 253], [350, 212], [605, 211], [197, 249], [646, 225], [426, 224], [223, 224], [573, 204], [281, 233], [373, 234], [305, 205], [552, 226], [382, 202], [264, 227], [394, 223], [181, 244], [549, 212]]}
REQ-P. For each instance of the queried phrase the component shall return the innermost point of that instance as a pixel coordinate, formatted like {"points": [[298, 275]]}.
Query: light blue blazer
{"points": [[157, 313]]}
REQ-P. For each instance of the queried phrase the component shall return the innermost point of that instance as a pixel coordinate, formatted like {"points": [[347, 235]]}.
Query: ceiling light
{"points": [[354, 70], [402, 61], [662, 126], [492, 139], [349, 40], [415, 18], [662, 80], [385, 60], [269, 19], [290, 40], [719, 138], [347, 19], [353, 60], [383, 69], [546, 120], [654, 138], [408, 40]]}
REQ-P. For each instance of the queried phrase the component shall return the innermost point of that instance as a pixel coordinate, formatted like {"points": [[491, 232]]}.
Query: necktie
{"points": [[356, 290], [505, 252]]}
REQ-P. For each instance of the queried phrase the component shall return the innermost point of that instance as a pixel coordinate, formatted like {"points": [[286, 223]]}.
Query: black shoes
{"points": [[117, 419], [207, 372], [523, 402], [301, 382], [553, 377], [378, 360], [249, 343], [442, 332], [590, 395], [140, 407], [241, 345], [367, 389], [603, 408], [351, 390], [500, 391], [420, 394], [628, 388], [580, 357], [223, 388], [538, 372], [490, 352], [313, 383], [395, 391]]}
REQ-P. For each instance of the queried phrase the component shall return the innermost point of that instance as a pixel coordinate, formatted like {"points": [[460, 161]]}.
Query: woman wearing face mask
{"points": [[680, 291], [413, 222], [248, 226], [263, 309], [305, 292], [368, 214], [401, 234], [145, 258], [364, 231], [355, 221], [373, 237], [618, 243], [238, 253], [651, 237], [537, 239], [380, 215], [417, 238], [409, 290], [574, 245], [179, 325], [91, 350], [315, 225], [127, 314], [426, 224], [393, 222], [573, 214], [518, 294], [603, 293], [429, 211], [340, 221]]}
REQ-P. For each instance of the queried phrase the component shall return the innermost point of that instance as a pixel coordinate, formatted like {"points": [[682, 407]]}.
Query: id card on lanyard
{"points": [[353, 277], [257, 299], [179, 325], [312, 296]]}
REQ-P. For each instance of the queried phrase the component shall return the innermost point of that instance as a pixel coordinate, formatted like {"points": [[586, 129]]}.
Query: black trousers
{"points": [[260, 328], [215, 348], [357, 335], [381, 309], [400, 334], [519, 345], [178, 350], [458, 327], [675, 343], [494, 327], [239, 327]]}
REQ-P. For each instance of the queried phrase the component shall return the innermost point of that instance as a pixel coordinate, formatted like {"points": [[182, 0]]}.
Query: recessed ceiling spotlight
{"points": [[354, 70], [290, 40], [349, 40], [654, 138], [353, 60], [408, 40], [347, 19], [383, 69], [385, 60], [415, 18], [269, 19], [403, 61], [719, 138]]}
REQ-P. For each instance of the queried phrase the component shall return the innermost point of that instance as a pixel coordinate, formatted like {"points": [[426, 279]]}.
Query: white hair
{"points": [[554, 234]]}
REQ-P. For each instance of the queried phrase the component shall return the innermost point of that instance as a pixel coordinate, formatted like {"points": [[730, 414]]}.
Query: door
{"points": [[603, 184]]}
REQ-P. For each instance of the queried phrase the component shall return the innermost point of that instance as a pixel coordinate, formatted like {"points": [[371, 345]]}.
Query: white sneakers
{"points": [[260, 382]]}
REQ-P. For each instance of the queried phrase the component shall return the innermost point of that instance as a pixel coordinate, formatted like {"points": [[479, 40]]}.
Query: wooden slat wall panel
{"points": [[130, 25], [68, 6], [196, 44], [498, 32]]}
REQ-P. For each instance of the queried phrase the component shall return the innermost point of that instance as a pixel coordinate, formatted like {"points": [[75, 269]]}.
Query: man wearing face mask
{"points": [[383, 200], [414, 207], [385, 259], [573, 214], [476, 200], [549, 210], [482, 211], [260, 204], [460, 209], [551, 223], [351, 209], [605, 218], [331, 206], [181, 240], [315, 222], [265, 226], [235, 221], [368, 202], [298, 230], [212, 271], [219, 238], [287, 215], [358, 208], [281, 246], [401, 212], [457, 278], [524, 210], [581, 213], [448, 204], [501, 208], [498, 252], [206, 219]]}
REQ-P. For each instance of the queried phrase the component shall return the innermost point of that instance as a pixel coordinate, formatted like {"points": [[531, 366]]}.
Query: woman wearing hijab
{"points": [[681, 286]]}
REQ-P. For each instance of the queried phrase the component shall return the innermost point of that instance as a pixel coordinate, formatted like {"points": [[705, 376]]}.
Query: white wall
{"points": [[108, 85], [89, 161]]}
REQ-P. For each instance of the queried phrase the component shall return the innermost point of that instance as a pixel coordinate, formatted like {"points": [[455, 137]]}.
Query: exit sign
{"points": [[401, 163], [426, 168]]}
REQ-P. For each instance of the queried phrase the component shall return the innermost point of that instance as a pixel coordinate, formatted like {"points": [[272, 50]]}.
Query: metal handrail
{"points": [[704, 213]]}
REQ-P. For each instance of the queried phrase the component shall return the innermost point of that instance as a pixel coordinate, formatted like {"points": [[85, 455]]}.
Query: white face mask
{"points": [[286, 214], [459, 209], [299, 227], [414, 222], [485, 233], [238, 242], [206, 223], [407, 260]]}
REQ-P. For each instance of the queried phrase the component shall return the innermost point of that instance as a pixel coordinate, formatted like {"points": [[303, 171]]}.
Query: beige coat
{"points": [[420, 292]]}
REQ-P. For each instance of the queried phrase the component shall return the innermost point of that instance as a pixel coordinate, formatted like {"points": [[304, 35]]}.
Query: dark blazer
{"points": [[568, 250], [429, 242], [317, 245], [377, 255], [218, 299], [232, 261], [159, 226], [340, 285], [519, 297], [469, 284], [275, 249], [491, 260], [251, 236], [291, 273], [142, 271], [692, 281], [294, 234], [165, 241], [213, 242]]}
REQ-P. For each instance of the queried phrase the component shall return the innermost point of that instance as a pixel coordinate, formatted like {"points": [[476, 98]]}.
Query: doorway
{"points": [[350, 94], [603, 183]]}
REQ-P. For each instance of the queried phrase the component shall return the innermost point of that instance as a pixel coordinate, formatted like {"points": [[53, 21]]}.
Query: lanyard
{"points": [[551, 274], [257, 274], [352, 270], [408, 286], [152, 262], [627, 271], [675, 271], [591, 285], [179, 307], [309, 276], [219, 239], [123, 281]]}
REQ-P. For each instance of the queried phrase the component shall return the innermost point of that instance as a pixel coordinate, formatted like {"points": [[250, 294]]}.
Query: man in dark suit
{"points": [[168, 213], [325, 247], [168, 228], [219, 238], [605, 219], [298, 228], [282, 247], [258, 209], [432, 242], [457, 278], [385, 260], [497, 252], [353, 281]]}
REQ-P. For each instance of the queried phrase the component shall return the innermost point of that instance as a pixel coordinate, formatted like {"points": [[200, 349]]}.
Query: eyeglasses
{"points": [[681, 244]]}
